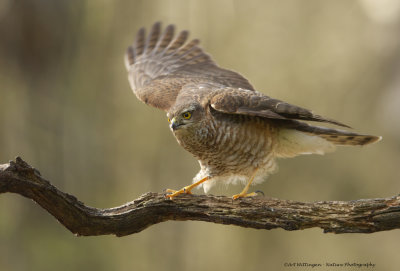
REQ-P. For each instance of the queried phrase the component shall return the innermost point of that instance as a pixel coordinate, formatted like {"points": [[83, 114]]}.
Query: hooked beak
{"points": [[175, 124]]}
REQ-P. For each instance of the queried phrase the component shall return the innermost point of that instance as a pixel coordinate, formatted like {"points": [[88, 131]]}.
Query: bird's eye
{"points": [[187, 115], [169, 120]]}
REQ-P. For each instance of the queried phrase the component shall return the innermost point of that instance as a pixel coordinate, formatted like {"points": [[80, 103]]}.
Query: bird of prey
{"points": [[233, 130]]}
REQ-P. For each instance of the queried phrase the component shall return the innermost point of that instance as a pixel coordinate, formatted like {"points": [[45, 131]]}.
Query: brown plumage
{"points": [[234, 131]]}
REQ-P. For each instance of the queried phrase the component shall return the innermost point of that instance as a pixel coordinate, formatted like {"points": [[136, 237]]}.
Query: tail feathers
{"points": [[353, 140], [339, 137], [292, 143], [307, 139]]}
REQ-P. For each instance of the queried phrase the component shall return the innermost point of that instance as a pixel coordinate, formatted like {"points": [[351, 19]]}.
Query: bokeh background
{"points": [[67, 109]]}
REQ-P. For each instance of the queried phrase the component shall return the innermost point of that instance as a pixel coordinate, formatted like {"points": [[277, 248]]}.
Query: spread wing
{"points": [[159, 65], [239, 101]]}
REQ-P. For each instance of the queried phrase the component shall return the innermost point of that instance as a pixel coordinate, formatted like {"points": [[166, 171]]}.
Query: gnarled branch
{"points": [[359, 216]]}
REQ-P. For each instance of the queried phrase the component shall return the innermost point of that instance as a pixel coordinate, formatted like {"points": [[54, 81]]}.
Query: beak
{"points": [[174, 124]]}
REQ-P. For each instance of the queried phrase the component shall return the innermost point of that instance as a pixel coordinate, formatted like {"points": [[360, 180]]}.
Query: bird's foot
{"points": [[244, 195], [185, 190], [173, 193]]}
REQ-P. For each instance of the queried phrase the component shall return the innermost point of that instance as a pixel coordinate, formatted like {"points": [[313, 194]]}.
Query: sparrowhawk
{"points": [[233, 130]]}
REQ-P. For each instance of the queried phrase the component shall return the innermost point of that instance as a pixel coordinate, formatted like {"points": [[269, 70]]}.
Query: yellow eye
{"points": [[186, 115], [169, 120]]}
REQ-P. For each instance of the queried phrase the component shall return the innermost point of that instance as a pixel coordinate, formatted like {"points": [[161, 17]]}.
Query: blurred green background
{"points": [[66, 107]]}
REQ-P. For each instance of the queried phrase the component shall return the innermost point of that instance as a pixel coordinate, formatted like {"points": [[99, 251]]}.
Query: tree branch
{"points": [[360, 216]]}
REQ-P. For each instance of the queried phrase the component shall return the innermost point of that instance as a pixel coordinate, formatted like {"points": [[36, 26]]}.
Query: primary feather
{"points": [[159, 66]]}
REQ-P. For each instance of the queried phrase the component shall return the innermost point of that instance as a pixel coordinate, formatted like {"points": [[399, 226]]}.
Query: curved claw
{"points": [[261, 192], [244, 195]]}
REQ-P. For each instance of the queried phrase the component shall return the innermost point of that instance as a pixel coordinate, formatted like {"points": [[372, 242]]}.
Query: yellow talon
{"points": [[244, 194], [185, 190]]}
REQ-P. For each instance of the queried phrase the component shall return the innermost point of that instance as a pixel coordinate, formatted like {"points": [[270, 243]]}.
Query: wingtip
{"points": [[339, 123], [129, 58], [157, 24], [170, 27], [195, 42], [141, 32], [156, 27], [323, 119], [184, 34]]}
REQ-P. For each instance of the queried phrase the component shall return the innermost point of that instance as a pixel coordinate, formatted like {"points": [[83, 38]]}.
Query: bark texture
{"points": [[359, 216]]}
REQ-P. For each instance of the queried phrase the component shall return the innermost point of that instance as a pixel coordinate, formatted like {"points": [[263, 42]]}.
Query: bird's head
{"points": [[185, 117]]}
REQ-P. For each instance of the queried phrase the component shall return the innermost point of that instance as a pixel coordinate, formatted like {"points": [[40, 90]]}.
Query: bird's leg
{"points": [[185, 190], [246, 188]]}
